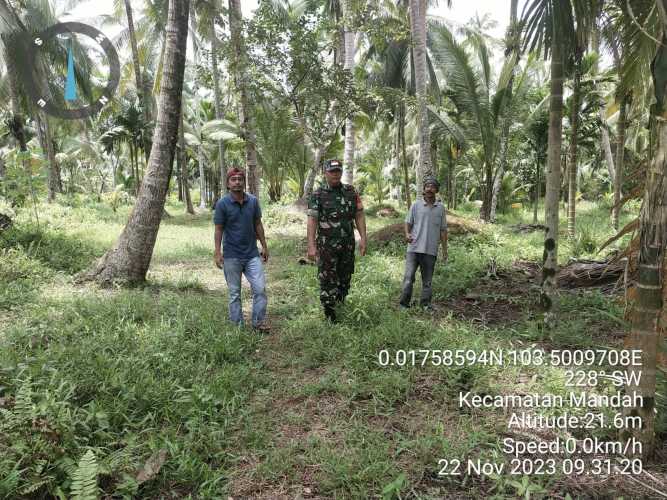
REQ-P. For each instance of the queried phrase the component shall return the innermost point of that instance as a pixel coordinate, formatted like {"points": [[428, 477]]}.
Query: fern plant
{"points": [[84, 479]]}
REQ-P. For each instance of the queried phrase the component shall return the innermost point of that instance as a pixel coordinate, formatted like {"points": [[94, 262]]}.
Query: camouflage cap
{"points": [[330, 165]]}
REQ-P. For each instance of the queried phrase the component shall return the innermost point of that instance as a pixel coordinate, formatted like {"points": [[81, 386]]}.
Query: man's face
{"points": [[430, 190], [236, 183], [333, 177]]}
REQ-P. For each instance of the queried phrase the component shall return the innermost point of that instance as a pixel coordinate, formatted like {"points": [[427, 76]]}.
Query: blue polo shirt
{"points": [[239, 240]]}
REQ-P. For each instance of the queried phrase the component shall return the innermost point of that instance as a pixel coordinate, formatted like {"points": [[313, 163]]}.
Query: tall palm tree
{"points": [[513, 46], [642, 29], [242, 85], [183, 163], [418, 33], [141, 88], [482, 105], [349, 53], [572, 154], [394, 69], [129, 259], [550, 29], [33, 17]]}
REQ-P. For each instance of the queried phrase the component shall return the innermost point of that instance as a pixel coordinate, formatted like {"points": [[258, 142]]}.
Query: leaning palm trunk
{"points": [[620, 160], [348, 153], [242, 84], [418, 32], [572, 159], [129, 259], [550, 262]]}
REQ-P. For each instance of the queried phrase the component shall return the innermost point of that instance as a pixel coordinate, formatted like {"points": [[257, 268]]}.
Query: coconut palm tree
{"points": [[242, 86], [129, 259], [33, 17], [349, 53], [512, 51], [418, 33], [391, 68], [482, 104], [141, 89]]}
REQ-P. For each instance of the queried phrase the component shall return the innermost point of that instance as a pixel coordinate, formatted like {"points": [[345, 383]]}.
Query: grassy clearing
{"points": [[156, 376]]}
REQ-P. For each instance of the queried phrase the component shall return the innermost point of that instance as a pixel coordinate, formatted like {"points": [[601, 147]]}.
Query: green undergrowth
{"points": [[150, 393]]}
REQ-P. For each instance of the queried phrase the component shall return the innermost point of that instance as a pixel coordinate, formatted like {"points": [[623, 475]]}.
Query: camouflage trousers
{"points": [[335, 268]]}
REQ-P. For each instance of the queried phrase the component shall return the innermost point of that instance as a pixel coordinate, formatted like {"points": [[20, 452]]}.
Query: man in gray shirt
{"points": [[425, 227]]}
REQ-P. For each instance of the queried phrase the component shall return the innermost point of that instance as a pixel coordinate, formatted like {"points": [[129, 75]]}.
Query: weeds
{"points": [[151, 393]]}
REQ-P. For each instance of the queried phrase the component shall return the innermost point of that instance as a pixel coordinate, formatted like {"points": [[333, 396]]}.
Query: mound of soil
{"points": [[388, 212], [455, 225]]}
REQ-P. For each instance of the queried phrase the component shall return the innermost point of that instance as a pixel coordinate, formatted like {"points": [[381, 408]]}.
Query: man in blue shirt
{"points": [[238, 221]]}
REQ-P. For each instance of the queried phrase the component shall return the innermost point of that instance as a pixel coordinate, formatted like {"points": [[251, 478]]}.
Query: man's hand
{"points": [[362, 247], [312, 253], [219, 259], [409, 238], [445, 256], [265, 254]]}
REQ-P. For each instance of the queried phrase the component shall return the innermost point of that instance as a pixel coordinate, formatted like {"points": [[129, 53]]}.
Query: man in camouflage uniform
{"points": [[333, 210]]}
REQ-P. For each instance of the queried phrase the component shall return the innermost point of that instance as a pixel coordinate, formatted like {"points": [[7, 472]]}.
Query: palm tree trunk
{"points": [[55, 184], [418, 32], [202, 178], [648, 312], [550, 260], [487, 193], [141, 90], [538, 169], [513, 48], [248, 123], [404, 159], [184, 168], [218, 103], [649, 304], [310, 180], [604, 133], [350, 49], [129, 259], [572, 158], [620, 157]]}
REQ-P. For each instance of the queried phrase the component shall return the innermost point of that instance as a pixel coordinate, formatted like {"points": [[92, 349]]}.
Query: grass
{"points": [[307, 410]]}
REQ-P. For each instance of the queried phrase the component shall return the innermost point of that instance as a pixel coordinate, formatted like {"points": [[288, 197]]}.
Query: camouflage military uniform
{"points": [[335, 209]]}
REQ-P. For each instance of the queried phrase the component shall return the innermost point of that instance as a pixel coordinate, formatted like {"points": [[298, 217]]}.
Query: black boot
{"points": [[330, 314]]}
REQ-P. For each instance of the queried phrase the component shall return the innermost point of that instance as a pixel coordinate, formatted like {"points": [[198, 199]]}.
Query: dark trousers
{"points": [[335, 269], [426, 264]]}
